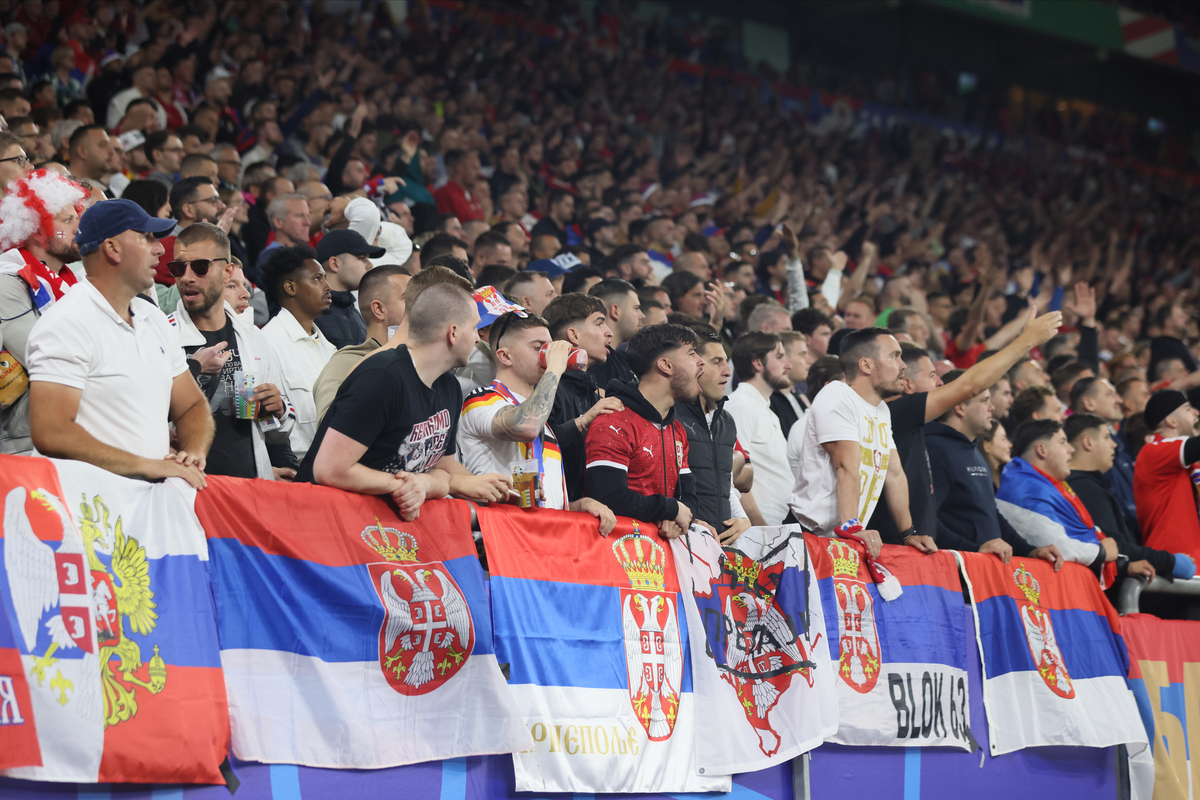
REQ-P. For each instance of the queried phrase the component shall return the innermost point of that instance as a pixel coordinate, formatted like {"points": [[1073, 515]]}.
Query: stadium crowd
{"points": [[435, 257]]}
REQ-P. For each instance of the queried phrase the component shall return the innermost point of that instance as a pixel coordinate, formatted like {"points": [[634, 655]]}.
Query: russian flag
{"points": [[1053, 657], [349, 637], [902, 664], [107, 599], [594, 634], [18, 730]]}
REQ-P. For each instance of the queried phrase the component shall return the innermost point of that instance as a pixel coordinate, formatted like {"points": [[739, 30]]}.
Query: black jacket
{"points": [[782, 408], [1106, 512], [255, 234], [577, 392], [342, 324], [710, 456], [615, 368], [963, 494]]}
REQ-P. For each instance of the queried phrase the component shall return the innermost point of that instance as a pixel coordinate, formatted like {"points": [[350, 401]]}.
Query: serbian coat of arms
{"points": [[1039, 633], [858, 642], [653, 649], [427, 633], [752, 638], [99, 579]]}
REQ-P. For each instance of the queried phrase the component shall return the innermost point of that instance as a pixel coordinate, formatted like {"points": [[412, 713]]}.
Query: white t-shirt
{"points": [[300, 358], [481, 452], [759, 432], [838, 414], [124, 371]]}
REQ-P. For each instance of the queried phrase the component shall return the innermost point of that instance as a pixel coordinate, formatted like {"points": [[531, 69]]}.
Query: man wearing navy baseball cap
{"points": [[345, 256], [106, 371]]}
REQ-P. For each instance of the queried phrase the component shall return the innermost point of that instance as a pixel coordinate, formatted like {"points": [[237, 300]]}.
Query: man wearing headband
{"points": [[106, 372]]}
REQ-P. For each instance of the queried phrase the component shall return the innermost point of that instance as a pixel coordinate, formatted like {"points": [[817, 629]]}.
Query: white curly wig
{"points": [[31, 204]]}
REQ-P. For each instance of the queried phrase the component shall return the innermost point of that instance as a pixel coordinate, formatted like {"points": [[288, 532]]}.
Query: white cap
{"points": [[395, 240], [131, 139], [217, 73], [363, 216]]}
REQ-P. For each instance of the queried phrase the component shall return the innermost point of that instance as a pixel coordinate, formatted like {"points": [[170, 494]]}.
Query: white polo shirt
{"points": [[300, 358], [124, 371], [759, 432]]}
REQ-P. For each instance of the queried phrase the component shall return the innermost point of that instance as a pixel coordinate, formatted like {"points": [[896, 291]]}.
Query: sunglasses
{"points": [[199, 266]]}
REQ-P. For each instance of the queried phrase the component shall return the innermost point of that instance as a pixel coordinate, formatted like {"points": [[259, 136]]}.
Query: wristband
{"points": [[912, 531], [850, 526]]}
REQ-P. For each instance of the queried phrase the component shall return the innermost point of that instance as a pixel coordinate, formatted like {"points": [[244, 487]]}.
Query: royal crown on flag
{"points": [[404, 549], [845, 559], [745, 568], [643, 561], [1027, 584]]}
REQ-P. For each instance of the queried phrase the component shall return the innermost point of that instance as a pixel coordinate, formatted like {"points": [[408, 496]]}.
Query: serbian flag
{"points": [[349, 637], [105, 592], [764, 681], [902, 664], [1054, 661], [592, 630]]}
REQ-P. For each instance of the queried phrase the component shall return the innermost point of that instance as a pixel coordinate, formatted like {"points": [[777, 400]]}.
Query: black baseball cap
{"points": [[335, 243], [111, 218]]}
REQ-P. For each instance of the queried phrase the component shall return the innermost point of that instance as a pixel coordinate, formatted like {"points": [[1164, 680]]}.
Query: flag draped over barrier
{"points": [[106, 599], [902, 665], [349, 637], [593, 632], [344, 637], [760, 666], [1053, 657]]}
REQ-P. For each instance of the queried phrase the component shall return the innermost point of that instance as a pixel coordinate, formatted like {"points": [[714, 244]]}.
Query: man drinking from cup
{"points": [[225, 354], [503, 426]]}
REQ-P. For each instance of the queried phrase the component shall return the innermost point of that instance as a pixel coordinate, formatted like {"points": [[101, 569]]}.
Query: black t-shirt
{"points": [[232, 451], [405, 425], [908, 434]]}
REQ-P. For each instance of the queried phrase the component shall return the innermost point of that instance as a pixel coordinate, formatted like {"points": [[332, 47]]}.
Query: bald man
{"points": [[391, 429]]}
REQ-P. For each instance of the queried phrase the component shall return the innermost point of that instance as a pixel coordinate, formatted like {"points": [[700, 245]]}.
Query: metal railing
{"points": [[1129, 591]]}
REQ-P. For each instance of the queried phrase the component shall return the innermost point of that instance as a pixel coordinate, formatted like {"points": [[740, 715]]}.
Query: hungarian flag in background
{"points": [[106, 599], [349, 637], [593, 632], [902, 665], [764, 681]]}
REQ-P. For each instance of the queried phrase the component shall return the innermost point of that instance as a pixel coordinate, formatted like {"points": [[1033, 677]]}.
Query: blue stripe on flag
{"points": [[167, 793], [95, 792], [270, 602], [1084, 638], [566, 634], [184, 629], [917, 628], [285, 782]]}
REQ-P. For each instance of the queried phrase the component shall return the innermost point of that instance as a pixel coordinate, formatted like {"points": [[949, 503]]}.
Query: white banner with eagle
{"points": [[764, 682]]}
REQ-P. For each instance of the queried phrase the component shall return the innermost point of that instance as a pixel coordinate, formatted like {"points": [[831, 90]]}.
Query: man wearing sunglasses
{"points": [[204, 322], [106, 372]]}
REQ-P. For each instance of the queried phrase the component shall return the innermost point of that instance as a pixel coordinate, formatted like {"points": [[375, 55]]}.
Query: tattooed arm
{"points": [[525, 422]]}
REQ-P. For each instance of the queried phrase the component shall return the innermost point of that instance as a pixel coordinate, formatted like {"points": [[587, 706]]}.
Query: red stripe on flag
{"points": [[180, 735], [566, 547], [1074, 588], [18, 732], [324, 525], [1141, 28]]}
